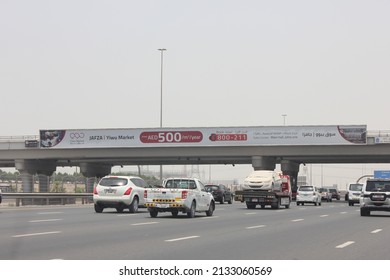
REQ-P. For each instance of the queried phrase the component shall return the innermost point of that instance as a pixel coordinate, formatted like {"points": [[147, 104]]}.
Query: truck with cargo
{"points": [[265, 187], [185, 195]]}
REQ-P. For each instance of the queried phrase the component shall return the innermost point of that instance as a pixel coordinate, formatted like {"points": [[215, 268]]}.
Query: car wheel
{"points": [[175, 212], [191, 213], [98, 208], [211, 209], [153, 213], [364, 212], [133, 208], [276, 205], [250, 205]]}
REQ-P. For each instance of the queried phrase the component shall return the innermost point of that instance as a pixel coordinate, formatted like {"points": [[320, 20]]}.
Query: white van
{"points": [[263, 180], [354, 191]]}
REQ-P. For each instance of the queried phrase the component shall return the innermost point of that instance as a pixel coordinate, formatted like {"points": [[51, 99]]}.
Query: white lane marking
{"points": [[322, 216], [35, 234], [297, 220], [48, 220], [211, 217], [345, 244], [343, 212], [251, 213], [377, 230], [141, 224], [181, 238], [49, 213], [259, 226], [124, 215]]}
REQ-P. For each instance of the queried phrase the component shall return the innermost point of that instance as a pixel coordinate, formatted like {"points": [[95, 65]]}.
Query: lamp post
{"points": [[284, 119], [161, 98]]}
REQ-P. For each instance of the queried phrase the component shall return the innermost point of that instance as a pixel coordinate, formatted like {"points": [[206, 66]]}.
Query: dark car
{"points": [[220, 193], [335, 193]]}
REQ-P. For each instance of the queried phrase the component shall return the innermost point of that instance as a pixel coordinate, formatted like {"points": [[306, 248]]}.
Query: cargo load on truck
{"points": [[265, 187]]}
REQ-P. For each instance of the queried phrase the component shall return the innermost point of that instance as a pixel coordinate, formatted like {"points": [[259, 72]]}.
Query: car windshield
{"points": [[333, 190], [306, 189], [355, 187], [180, 184], [378, 186], [113, 182], [323, 190], [211, 188]]}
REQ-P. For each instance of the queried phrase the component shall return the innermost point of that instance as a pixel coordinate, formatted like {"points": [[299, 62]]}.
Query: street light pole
{"points": [[161, 85], [161, 100], [284, 119]]}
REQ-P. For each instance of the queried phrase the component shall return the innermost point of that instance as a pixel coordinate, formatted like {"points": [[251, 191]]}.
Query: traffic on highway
{"points": [[332, 231]]}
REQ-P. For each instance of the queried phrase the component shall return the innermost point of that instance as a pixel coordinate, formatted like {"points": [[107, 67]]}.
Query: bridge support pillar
{"points": [[263, 163], [28, 168], [292, 169], [92, 171], [44, 183]]}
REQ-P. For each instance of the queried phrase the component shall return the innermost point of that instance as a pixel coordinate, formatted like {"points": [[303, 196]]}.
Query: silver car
{"points": [[119, 192], [375, 196], [308, 194]]}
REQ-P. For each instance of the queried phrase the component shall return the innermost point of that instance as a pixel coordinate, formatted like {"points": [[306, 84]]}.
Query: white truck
{"points": [[265, 187], [185, 195]]}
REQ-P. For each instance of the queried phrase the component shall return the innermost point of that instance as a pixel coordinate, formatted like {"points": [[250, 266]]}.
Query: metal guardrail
{"points": [[46, 198]]}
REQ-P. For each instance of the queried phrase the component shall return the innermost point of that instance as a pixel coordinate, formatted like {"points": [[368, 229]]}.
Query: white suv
{"points": [[354, 191], [375, 196], [308, 194], [119, 192]]}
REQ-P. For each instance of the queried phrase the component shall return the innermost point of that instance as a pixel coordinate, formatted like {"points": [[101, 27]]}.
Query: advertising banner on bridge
{"points": [[204, 136]]}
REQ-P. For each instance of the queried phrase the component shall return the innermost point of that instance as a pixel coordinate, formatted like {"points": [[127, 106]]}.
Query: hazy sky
{"points": [[95, 64]]}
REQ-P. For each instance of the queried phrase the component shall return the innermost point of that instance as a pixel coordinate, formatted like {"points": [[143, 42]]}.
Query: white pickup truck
{"points": [[186, 195]]}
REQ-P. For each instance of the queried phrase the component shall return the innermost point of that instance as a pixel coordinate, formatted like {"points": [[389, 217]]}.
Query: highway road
{"points": [[333, 231]]}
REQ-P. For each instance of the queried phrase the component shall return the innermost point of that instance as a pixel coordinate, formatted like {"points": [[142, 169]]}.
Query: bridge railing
{"points": [[18, 138], [378, 133], [47, 198]]}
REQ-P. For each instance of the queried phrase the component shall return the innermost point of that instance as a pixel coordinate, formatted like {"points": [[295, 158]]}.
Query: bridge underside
{"points": [[97, 162]]}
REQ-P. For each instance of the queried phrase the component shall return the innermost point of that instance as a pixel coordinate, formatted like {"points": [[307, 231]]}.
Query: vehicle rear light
{"points": [[184, 194], [95, 190], [145, 194], [128, 192]]}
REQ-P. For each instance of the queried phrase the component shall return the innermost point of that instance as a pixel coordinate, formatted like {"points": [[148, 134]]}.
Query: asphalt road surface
{"points": [[333, 231]]}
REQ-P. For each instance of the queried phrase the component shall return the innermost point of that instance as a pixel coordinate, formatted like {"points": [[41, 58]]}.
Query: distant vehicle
{"points": [[335, 193], [375, 196], [1, 196], [353, 194], [325, 194], [185, 195], [220, 193], [265, 187], [308, 194], [119, 192]]}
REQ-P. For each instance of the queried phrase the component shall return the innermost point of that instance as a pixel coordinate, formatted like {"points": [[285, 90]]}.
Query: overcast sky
{"points": [[95, 64]]}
